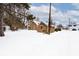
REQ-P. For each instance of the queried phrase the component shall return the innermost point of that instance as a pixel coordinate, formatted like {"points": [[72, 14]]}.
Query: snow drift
{"points": [[32, 43]]}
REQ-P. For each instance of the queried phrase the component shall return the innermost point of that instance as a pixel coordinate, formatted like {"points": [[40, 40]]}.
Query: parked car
{"points": [[73, 27], [59, 27]]}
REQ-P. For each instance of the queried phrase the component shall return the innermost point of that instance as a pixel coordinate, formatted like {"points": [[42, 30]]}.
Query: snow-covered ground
{"points": [[32, 43]]}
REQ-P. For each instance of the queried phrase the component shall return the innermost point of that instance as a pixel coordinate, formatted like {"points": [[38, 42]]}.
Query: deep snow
{"points": [[32, 43]]}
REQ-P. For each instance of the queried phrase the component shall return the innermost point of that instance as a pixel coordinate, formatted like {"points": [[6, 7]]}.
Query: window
{"points": [[74, 25], [70, 25], [73, 29], [41, 27]]}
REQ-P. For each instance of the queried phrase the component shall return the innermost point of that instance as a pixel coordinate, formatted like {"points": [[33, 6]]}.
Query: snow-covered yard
{"points": [[32, 43]]}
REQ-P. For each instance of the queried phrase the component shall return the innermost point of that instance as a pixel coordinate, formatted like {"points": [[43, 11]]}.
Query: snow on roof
{"points": [[37, 22], [52, 25]]}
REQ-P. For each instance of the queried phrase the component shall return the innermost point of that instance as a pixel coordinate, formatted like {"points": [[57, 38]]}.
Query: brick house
{"points": [[39, 26], [52, 28], [31, 25], [42, 27]]}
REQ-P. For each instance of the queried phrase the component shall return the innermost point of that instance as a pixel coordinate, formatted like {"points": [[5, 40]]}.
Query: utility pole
{"points": [[49, 20]]}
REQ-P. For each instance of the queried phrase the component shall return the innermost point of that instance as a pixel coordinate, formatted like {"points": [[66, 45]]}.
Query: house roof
{"points": [[37, 22], [43, 23]]}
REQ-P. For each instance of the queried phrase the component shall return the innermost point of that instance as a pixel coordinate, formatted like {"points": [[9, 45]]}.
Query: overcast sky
{"points": [[61, 12]]}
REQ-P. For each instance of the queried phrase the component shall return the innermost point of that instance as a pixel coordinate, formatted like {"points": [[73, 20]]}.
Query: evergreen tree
{"points": [[9, 8]]}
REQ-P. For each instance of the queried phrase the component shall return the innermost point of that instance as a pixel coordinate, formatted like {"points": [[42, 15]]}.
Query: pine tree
{"points": [[9, 8]]}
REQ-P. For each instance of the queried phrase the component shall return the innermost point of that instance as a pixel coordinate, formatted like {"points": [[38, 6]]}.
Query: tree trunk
{"points": [[1, 22], [24, 16]]}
